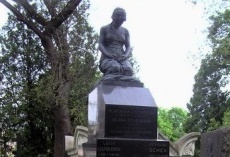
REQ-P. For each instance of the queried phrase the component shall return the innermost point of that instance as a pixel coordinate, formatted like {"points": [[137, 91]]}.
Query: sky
{"points": [[165, 36], [3, 15]]}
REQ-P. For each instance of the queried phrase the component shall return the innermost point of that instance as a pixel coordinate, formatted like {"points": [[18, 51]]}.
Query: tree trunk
{"points": [[61, 85], [61, 128], [62, 125]]}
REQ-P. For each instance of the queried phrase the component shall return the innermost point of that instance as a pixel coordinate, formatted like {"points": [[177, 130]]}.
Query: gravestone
{"points": [[122, 122], [216, 143]]}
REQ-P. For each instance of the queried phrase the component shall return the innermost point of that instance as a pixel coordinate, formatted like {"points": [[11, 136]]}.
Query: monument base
{"points": [[120, 147]]}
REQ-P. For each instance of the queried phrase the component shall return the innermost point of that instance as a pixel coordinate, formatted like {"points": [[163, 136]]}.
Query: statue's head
{"points": [[119, 15]]}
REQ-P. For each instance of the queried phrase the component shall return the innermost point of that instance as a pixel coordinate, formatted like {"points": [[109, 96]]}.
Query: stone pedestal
{"points": [[122, 122]]}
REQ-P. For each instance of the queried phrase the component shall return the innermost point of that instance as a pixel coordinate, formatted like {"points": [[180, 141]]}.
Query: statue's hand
{"points": [[123, 57], [111, 56], [114, 57]]}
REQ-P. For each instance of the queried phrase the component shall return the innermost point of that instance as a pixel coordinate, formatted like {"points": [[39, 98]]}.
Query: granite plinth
{"points": [[138, 104], [111, 147]]}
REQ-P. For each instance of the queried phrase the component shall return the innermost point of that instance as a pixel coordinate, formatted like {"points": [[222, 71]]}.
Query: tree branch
{"points": [[32, 13], [51, 7], [62, 16], [22, 18]]}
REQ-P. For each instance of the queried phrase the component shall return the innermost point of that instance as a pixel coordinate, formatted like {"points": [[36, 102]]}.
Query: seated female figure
{"points": [[114, 44]]}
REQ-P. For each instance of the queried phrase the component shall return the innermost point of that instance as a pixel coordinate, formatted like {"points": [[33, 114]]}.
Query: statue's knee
{"points": [[128, 71], [115, 69]]}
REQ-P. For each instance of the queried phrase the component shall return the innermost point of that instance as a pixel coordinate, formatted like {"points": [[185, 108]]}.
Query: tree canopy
{"points": [[171, 122], [210, 100]]}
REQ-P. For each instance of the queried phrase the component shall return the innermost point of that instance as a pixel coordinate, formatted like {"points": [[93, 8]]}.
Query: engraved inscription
{"points": [[158, 148], [135, 148], [153, 155], [108, 149], [126, 121]]}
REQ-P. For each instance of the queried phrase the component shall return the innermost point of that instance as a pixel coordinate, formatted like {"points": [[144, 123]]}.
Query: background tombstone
{"points": [[216, 143]]}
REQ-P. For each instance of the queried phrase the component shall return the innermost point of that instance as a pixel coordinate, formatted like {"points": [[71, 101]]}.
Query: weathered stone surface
{"points": [[117, 147], [216, 143], [73, 144]]}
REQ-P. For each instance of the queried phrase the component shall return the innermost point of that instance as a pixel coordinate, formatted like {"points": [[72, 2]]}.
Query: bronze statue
{"points": [[114, 44]]}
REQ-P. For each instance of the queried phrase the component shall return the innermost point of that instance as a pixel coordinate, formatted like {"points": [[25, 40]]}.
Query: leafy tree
{"points": [[84, 67], [67, 45], [208, 108], [170, 122], [20, 69], [219, 36], [164, 124], [177, 117], [208, 100], [54, 41]]}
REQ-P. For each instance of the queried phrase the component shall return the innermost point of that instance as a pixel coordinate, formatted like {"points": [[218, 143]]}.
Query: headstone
{"points": [[216, 143]]}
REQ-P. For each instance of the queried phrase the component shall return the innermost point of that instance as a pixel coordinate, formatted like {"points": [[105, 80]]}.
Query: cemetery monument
{"points": [[122, 114]]}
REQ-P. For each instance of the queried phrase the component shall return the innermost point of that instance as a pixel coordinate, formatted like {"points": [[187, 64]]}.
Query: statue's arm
{"points": [[127, 44], [101, 43]]}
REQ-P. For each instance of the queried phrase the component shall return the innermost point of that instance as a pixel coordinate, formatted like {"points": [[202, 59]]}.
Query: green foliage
{"points": [[208, 100], [209, 106], [170, 122], [220, 37], [213, 124], [226, 118], [84, 67], [225, 121], [22, 61], [164, 123]]}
